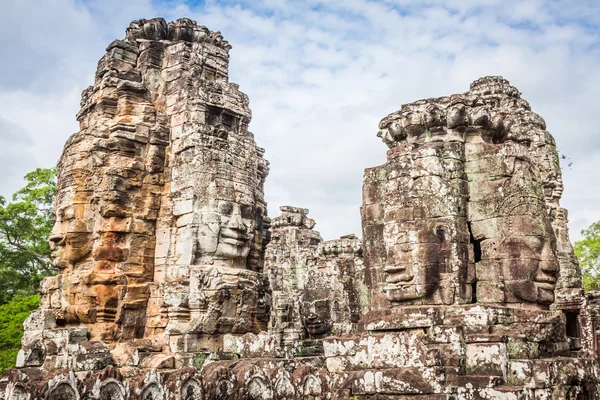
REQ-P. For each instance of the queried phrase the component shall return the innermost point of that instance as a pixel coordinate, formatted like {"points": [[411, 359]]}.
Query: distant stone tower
{"points": [[315, 285]]}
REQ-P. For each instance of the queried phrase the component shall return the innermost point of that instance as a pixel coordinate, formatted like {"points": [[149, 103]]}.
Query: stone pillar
{"points": [[293, 247]]}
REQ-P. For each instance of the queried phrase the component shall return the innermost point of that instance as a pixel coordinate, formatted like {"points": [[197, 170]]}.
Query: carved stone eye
{"points": [[246, 211], [321, 305], [226, 208], [77, 239]]}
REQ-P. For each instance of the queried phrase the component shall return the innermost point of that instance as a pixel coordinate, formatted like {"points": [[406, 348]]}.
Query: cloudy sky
{"points": [[320, 75]]}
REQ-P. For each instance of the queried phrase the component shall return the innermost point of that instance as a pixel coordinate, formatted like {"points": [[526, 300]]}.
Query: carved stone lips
{"points": [[545, 285], [234, 237], [313, 326], [545, 282], [55, 257], [397, 274]]}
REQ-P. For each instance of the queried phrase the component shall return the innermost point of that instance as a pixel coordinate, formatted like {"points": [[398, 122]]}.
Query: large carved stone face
{"points": [[412, 269], [70, 240], [518, 254], [225, 232], [526, 248], [529, 268]]}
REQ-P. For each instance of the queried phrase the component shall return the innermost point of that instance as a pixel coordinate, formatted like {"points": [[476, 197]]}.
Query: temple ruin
{"points": [[175, 284]]}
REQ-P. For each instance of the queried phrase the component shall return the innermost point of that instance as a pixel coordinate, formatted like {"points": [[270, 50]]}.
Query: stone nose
{"points": [[236, 223], [550, 267]]}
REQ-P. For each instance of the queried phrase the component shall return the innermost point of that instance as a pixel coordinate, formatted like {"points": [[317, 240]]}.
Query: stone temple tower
{"points": [[160, 209]]}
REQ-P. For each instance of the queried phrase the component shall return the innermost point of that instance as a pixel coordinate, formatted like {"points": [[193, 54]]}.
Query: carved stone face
{"points": [[410, 282], [316, 317], [316, 307], [182, 29], [518, 255], [225, 232], [412, 270], [70, 240], [63, 391], [152, 29], [529, 268]]}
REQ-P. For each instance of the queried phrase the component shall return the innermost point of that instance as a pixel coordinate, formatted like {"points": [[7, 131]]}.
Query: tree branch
{"points": [[42, 259]]}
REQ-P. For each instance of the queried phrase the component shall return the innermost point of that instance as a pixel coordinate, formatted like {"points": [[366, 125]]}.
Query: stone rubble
{"points": [[174, 283]]}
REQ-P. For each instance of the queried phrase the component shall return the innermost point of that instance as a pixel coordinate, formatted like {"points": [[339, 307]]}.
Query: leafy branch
{"points": [[25, 224]]}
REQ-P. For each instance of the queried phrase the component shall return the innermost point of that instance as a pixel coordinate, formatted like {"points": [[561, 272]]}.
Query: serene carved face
{"points": [[70, 240], [412, 271], [529, 268], [63, 391], [152, 29], [316, 311], [225, 232], [316, 317], [410, 283]]}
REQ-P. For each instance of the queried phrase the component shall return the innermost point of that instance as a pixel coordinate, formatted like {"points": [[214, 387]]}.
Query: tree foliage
{"points": [[587, 251], [25, 224], [12, 316]]}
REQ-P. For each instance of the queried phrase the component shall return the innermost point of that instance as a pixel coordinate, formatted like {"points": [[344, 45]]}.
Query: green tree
{"points": [[25, 224], [12, 316], [587, 251]]}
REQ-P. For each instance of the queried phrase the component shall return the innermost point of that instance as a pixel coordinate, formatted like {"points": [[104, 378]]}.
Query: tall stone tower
{"points": [[160, 209]]}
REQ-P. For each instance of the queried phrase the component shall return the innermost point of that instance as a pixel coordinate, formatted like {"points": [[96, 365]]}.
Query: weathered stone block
{"points": [[397, 381], [486, 359], [159, 361], [251, 345], [517, 349]]}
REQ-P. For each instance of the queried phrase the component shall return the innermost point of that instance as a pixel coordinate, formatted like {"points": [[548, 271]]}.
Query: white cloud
{"points": [[320, 74], [13, 137], [50, 50]]}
